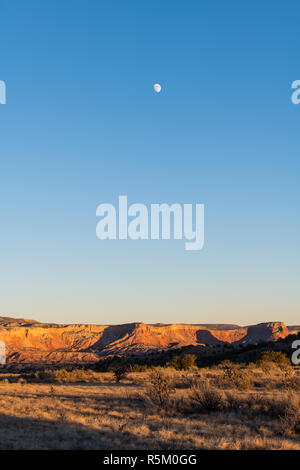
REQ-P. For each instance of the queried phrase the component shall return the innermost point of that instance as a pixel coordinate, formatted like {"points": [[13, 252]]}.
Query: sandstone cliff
{"points": [[28, 341]]}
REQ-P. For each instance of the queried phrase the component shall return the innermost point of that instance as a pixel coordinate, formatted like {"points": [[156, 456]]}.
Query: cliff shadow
{"points": [[23, 433], [205, 337]]}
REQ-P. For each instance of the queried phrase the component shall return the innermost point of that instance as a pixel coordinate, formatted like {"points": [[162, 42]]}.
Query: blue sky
{"points": [[82, 126]]}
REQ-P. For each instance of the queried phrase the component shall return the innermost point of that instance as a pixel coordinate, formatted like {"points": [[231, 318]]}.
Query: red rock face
{"points": [[32, 342], [267, 332]]}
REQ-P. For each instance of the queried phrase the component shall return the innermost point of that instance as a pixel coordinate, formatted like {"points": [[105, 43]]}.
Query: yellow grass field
{"points": [[102, 414]]}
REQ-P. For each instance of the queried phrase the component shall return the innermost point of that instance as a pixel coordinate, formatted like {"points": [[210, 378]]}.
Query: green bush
{"points": [[236, 377], [224, 364], [276, 357], [183, 362]]}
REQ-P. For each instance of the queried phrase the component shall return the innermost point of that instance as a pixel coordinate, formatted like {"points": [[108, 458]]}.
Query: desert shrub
{"points": [[139, 368], [63, 375], [285, 408], [235, 402], [289, 423], [224, 364], [160, 390], [205, 397], [288, 404], [267, 367], [175, 363], [188, 361], [184, 362], [235, 376], [281, 406], [185, 380], [289, 379], [119, 372], [275, 357]]}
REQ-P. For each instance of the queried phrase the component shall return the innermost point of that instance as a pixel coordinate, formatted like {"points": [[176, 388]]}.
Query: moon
{"points": [[157, 87]]}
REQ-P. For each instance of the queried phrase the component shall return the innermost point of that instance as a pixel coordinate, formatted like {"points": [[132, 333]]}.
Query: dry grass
{"points": [[66, 375], [202, 413]]}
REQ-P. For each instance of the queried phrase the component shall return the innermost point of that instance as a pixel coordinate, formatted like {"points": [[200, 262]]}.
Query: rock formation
{"points": [[28, 341]]}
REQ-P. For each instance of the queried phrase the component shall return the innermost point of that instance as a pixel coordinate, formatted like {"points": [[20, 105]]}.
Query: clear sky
{"points": [[82, 125]]}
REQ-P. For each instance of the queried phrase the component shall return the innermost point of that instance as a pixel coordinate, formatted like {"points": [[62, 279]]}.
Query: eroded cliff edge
{"points": [[28, 341]]}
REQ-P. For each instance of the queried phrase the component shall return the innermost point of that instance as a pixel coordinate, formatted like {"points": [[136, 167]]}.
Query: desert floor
{"points": [[102, 414]]}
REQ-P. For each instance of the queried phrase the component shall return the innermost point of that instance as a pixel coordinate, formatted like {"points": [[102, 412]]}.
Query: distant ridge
{"points": [[294, 328], [29, 341]]}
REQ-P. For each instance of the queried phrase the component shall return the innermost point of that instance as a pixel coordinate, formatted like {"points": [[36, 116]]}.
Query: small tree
{"points": [[184, 362], [176, 363], [235, 376], [120, 372], [160, 390], [277, 357], [188, 361]]}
